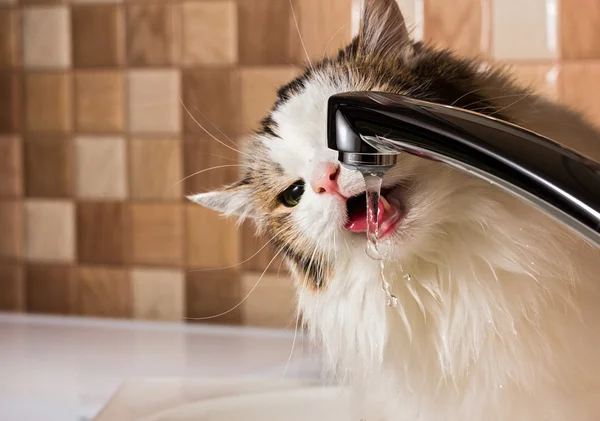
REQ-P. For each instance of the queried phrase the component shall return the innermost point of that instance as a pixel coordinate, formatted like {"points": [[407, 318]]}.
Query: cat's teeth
{"points": [[386, 205]]}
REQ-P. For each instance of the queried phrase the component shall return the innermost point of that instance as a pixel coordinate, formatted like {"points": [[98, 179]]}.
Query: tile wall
{"points": [[108, 108]]}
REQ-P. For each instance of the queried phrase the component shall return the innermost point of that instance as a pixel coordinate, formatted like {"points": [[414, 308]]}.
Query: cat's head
{"points": [[311, 208]]}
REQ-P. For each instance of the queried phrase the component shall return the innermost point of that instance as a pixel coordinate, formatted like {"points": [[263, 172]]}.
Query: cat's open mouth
{"points": [[390, 213]]}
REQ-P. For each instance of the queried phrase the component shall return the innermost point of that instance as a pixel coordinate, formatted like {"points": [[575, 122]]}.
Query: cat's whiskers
{"points": [[287, 365], [243, 299], [300, 35], [203, 171], [216, 127], [249, 258], [209, 133]]}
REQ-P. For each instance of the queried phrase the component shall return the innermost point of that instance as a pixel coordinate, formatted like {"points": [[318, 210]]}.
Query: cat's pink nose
{"points": [[324, 179]]}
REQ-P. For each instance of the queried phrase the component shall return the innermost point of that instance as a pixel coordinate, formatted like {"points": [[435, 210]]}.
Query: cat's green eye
{"points": [[290, 197]]}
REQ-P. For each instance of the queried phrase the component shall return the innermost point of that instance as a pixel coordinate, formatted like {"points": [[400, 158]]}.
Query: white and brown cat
{"points": [[500, 319]]}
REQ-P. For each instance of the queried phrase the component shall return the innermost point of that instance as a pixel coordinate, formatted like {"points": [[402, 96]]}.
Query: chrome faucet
{"points": [[370, 129]]}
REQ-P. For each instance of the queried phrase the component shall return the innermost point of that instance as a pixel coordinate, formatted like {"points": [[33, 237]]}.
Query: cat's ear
{"points": [[383, 29], [232, 200]]}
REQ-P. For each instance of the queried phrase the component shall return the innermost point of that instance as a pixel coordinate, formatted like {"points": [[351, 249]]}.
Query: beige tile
{"points": [[154, 101], [46, 37], [209, 33], [101, 168], [158, 294], [50, 230], [259, 91], [11, 230], [523, 30], [454, 24], [156, 169], [212, 241], [540, 77], [413, 12], [325, 26], [99, 102], [579, 84], [277, 291], [579, 29]]}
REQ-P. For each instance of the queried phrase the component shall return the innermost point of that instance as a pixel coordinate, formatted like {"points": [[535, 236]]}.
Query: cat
{"points": [[498, 314]]}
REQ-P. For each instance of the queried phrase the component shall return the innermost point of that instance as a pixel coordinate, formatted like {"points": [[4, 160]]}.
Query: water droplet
{"points": [[501, 386], [392, 301], [408, 277]]}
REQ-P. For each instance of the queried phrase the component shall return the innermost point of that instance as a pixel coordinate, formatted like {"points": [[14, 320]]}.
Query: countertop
{"points": [[67, 368]]}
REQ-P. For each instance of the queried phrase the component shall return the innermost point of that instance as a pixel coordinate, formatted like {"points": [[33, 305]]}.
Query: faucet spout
{"points": [[370, 129]]}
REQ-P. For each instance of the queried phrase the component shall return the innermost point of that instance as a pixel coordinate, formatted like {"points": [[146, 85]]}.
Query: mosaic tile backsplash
{"points": [[105, 107]]}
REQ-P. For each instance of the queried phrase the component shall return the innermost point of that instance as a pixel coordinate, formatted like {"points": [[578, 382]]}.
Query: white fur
{"points": [[500, 318]]}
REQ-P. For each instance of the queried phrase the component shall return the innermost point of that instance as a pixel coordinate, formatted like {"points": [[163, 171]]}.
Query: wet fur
{"points": [[499, 319]]}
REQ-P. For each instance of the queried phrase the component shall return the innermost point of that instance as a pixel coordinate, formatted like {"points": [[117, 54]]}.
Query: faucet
{"points": [[370, 129]]}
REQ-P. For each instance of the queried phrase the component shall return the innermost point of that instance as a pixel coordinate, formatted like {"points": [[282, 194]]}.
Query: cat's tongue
{"points": [[357, 218]]}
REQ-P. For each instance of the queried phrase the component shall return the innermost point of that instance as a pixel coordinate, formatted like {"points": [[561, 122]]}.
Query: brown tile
{"points": [[104, 292], [11, 168], [158, 294], [455, 25], [212, 241], [201, 157], [11, 229], [209, 294], [153, 34], [149, 154], [99, 102], [47, 102], [541, 77], [266, 34], [579, 23], [46, 37], [209, 31], [102, 232], [49, 230], [154, 98], [10, 102], [48, 166], [101, 167], [578, 84], [9, 38], [259, 91], [211, 96], [50, 289], [277, 291], [12, 287], [255, 252], [97, 35], [325, 26], [157, 234]]}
